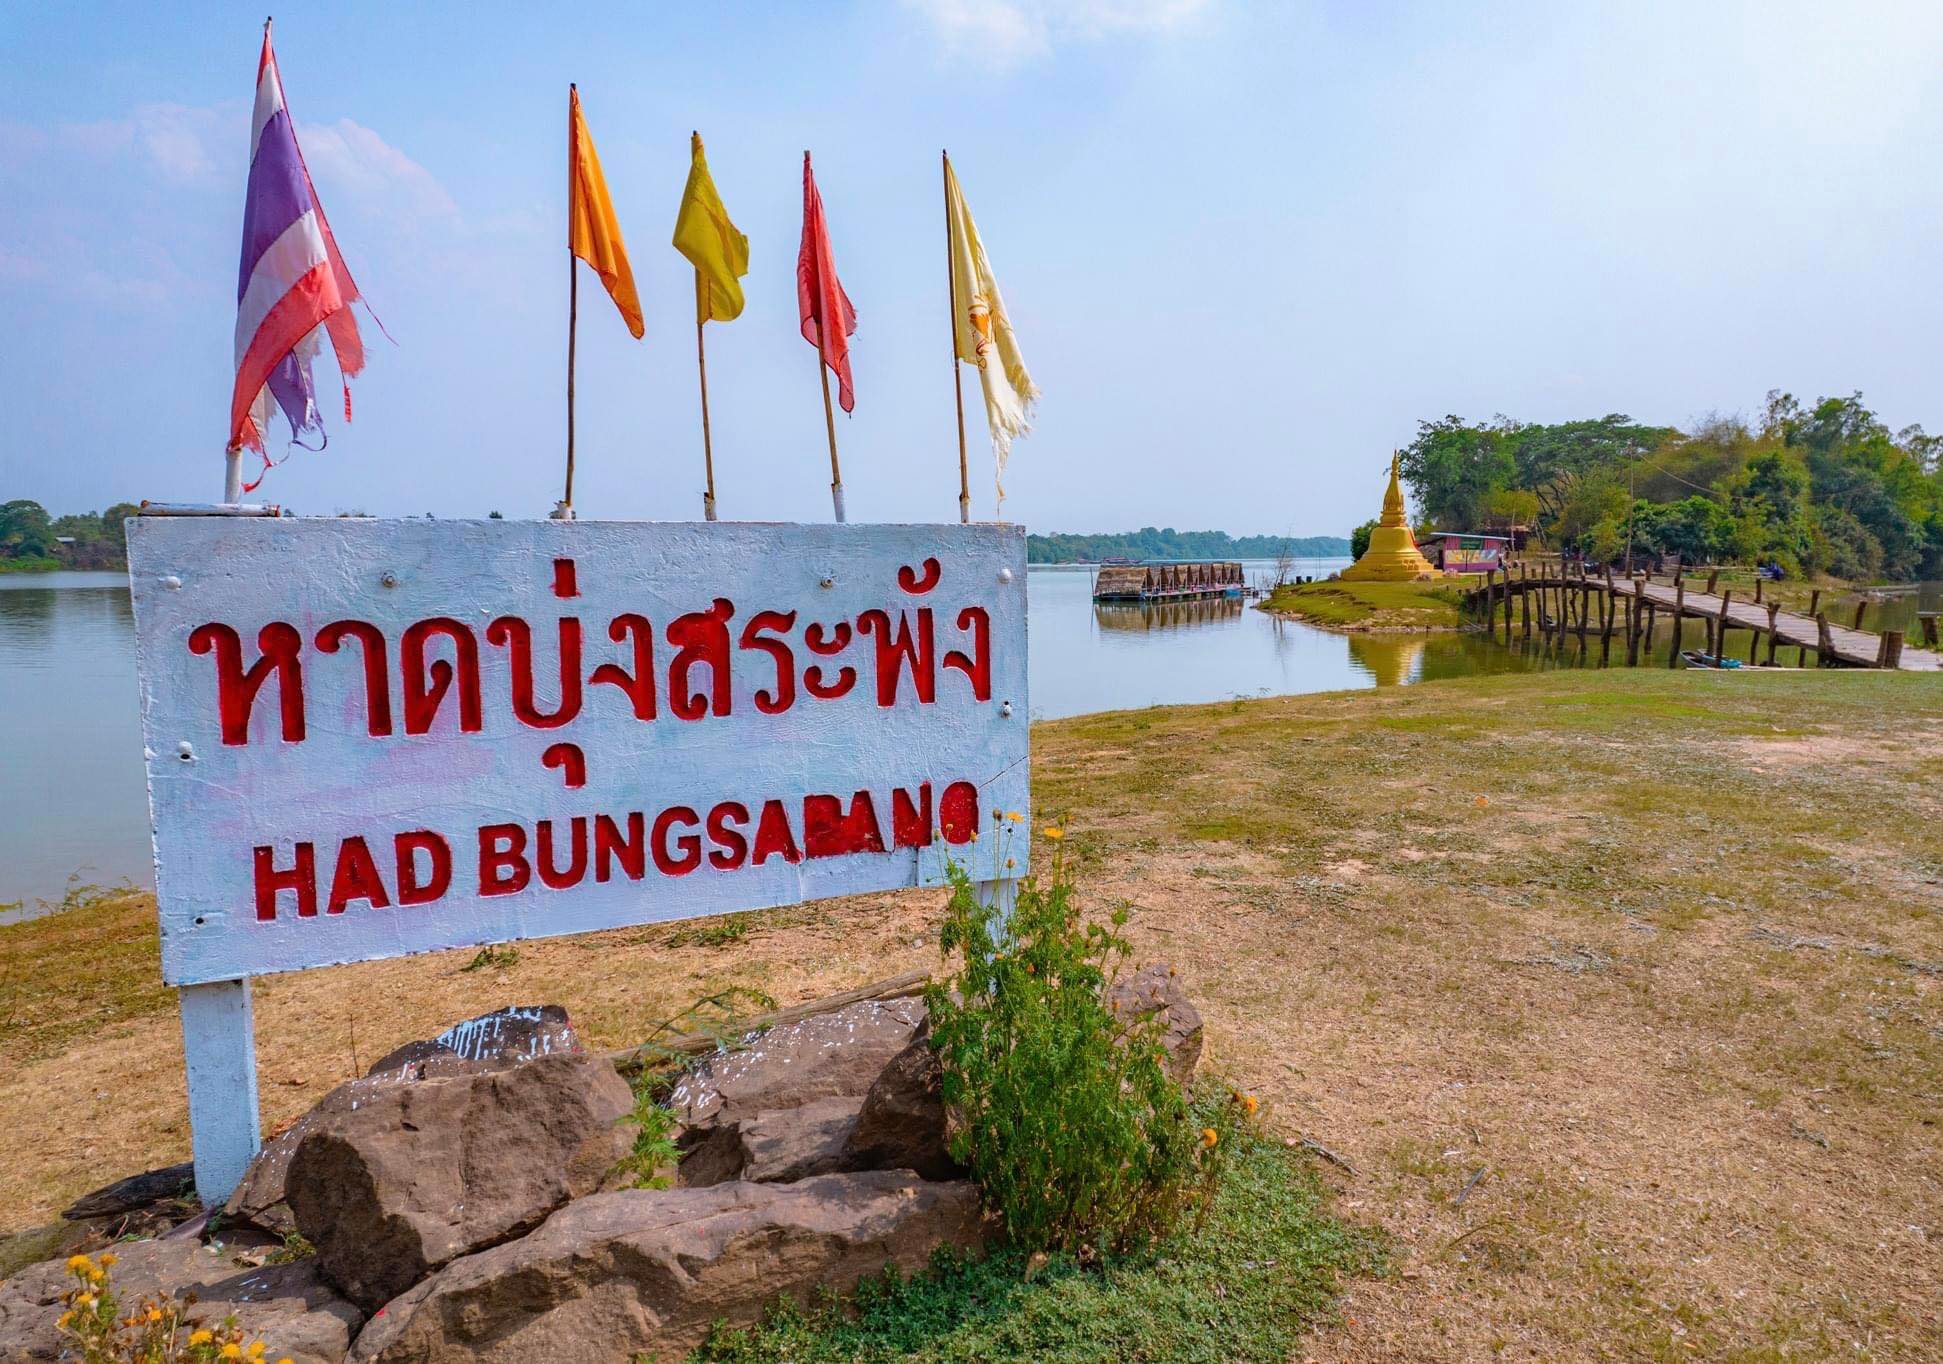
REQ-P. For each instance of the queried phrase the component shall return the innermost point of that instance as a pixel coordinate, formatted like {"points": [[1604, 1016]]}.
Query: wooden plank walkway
{"points": [[1625, 601]]}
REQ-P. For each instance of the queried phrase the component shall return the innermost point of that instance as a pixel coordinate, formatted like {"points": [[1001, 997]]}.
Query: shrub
{"points": [[154, 1332], [1073, 1130]]}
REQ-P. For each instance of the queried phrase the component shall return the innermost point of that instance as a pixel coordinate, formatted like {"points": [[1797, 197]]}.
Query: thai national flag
{"points": [[293, 286]]}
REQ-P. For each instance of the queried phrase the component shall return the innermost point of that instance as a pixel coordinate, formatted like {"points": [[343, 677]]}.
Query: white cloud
{"points": [[346, 156], [1007, 33], [178, 142]]}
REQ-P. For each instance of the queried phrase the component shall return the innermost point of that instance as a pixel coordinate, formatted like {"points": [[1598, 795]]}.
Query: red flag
{"points": [[828, 319]]}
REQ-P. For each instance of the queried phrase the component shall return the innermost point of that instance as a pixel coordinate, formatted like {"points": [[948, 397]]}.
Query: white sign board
{"points": [[371, 738]]}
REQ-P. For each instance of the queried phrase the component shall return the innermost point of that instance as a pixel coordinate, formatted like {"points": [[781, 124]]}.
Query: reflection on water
{"points": [[1390, 660], [1166, 615]]}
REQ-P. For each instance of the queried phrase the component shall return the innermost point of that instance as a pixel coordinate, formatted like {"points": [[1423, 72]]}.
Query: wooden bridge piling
{"points": [[1566, 605], [1679, 606]]}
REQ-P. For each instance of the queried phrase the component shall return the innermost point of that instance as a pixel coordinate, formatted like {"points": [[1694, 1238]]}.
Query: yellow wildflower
{"points": [[154, 1314], [1209, 1136], [1248, 1103], [97, 1274], [202, 1335], [1054, 832], [109, 1258], [230, 1351], [256, 1349], [66, 1320], [84, 1300], [1015, 816], [79, 1262]]}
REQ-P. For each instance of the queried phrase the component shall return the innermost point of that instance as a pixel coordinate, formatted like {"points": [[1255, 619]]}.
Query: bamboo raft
{"points": [[1169, 580], [1628, 610]]}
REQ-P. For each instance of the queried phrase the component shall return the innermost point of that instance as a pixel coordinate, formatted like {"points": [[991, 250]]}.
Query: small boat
{"points": [[1695, 658]]}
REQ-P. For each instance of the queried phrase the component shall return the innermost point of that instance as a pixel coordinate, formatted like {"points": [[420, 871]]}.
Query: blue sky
{"points": [[1246, 247]]}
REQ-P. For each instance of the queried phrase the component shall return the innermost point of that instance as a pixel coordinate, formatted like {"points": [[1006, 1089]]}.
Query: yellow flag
{"points": [[704, 234], [984, 332], [593, 232]]}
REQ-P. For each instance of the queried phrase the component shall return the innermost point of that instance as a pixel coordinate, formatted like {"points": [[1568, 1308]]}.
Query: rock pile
{"points": [[463, 1199]]}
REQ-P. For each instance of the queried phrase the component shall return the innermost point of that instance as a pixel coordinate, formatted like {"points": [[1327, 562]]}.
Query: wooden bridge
{"points": [[1626, 611]]}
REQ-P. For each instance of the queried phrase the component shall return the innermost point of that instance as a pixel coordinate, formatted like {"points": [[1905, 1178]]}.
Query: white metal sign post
{"points": [[372, 738]]}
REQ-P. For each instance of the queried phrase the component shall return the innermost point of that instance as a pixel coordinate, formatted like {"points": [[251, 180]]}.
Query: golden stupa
{"points": [[1393, 556]]}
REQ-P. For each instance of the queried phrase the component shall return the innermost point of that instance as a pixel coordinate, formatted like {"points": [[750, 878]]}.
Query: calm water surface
{"points": [[73, 803]]}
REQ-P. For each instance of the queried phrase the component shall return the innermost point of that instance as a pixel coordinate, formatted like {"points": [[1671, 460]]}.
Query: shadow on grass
{"points": [[1260, 1271]]}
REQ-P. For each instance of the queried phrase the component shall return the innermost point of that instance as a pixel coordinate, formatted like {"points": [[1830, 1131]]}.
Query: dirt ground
{"points": [[1618, 997]]}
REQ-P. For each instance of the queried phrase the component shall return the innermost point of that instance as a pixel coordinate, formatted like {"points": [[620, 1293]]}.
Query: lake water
{"points": [[73, 806]]}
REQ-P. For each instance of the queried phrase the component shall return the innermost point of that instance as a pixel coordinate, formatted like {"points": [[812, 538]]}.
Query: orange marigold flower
{"points": [[79, 1262], [1249, 1104], [1209, 1136], [1054, 832]]}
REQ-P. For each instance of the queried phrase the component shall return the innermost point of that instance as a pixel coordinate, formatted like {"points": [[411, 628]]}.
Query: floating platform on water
{"points": [[1169, 580]]}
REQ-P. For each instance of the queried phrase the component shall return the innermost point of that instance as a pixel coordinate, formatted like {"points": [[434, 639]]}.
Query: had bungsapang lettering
{"points": [[417, 867], [441, 688]]}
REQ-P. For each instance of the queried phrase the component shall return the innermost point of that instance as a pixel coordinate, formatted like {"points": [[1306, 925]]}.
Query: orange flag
{"points": [[593, 232]]}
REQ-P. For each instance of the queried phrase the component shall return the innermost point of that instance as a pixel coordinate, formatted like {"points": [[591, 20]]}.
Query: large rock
{"points": [[496, 1041], [777, 1146], [902, 1124], [288, 1306], [647, 1271], [831, 1055], [392, 1182], [136, 1193], [1158, 989]]}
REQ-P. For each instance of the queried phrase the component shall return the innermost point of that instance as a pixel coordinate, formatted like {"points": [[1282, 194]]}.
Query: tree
{"points": [[1455, 468], [25, 530], [1284, 562]]}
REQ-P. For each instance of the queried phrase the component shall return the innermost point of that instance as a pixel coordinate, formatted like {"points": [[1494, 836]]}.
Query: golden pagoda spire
{"points": [[1393, 498], [1393, 556]]}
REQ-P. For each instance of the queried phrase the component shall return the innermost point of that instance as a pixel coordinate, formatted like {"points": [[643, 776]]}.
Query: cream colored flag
{"points": [[984, 332]]}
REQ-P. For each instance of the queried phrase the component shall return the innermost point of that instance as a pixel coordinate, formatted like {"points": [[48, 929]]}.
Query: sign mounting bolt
{"points": [[1005, 575], [388, 578], [186, 751]]}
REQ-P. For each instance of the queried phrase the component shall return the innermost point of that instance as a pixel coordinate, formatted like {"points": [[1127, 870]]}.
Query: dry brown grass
{"points": [[1674, 986]]}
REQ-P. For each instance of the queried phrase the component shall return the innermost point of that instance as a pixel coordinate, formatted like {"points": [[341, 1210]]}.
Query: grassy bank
{"points": [[1619, 995], [1371, 606], [1257, 1272]]}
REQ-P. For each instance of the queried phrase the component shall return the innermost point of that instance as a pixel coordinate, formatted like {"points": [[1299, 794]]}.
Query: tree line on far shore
{"points": [[1821, 489], [31, 539], [1151, 543]]}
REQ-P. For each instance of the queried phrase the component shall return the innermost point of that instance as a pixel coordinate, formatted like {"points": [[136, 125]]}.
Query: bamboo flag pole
{"points": [[701, 365], [957, 378], [830, 426], [564, 512]]}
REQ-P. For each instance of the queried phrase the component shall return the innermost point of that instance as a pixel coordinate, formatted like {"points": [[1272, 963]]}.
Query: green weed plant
{"points": [[1066, 1116]]}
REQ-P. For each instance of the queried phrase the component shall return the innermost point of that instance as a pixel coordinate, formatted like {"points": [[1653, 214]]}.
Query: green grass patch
{"points": [[91, 964], [1434, 605], [1258, 1273]]}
